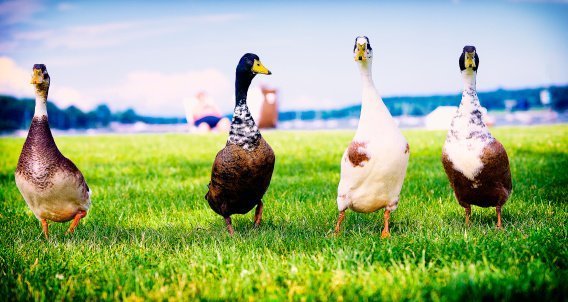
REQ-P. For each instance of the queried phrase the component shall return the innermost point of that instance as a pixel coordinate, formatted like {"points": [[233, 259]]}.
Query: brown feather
{"points": [[240, 178], [491, 187], [41, 163]]}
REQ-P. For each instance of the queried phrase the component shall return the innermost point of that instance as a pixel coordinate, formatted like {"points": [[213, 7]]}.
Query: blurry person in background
{"points": [[204, 114]]}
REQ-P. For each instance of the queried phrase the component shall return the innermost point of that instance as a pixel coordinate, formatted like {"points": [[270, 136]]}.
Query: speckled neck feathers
{"points": [[468, 123], [468, 134], [244, 132]]}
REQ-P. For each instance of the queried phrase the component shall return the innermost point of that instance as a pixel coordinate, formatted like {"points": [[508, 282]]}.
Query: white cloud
{"points": [[14, 80], [65, 96], [65, 6], [80, 37], [156, 93], [18, 11], [148, 92], [112, 33]]}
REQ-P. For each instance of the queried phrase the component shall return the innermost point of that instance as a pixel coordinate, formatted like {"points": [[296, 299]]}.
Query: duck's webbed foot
{"points": [[76, 220]]}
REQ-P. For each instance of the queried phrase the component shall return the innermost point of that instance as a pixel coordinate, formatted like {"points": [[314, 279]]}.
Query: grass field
{"points": [[151, 235]]}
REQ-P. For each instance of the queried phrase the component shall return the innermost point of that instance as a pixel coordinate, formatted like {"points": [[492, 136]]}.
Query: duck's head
{"points": [[469, 59], [250, 65], [362, 50], [40, 77]]}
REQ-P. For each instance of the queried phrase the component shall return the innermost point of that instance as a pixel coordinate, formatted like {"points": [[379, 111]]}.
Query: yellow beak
{"points": [[37, 77], [469, 61], [257, 67], [360, 54]]}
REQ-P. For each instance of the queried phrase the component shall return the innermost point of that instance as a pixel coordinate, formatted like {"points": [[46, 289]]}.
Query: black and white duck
{"points": [[51, 184], [243, 168]]}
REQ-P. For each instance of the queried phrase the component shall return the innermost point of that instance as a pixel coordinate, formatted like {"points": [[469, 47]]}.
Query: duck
{"points": [[373, 166], [52, 186], [475, 162], [242, 170]]}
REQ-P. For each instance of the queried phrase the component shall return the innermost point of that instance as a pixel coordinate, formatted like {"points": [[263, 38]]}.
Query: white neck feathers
{"points": [[468, 123], [470, 101], [374, 114], [40, 102], [365, 69]]}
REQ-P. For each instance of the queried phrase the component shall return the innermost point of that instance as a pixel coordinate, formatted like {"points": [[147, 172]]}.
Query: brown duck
{"points": [[51, 184], [475, 162], [243, 169]]}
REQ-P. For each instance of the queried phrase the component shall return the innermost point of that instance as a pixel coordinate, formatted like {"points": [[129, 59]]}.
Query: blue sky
{"points": [[152, 55]]}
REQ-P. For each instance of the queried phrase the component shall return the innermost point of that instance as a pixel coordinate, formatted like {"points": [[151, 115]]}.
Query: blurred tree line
{"points": [[422, 105], [17, 114]]}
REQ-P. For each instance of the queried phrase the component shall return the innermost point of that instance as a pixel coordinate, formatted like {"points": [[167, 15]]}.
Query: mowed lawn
{"points": [[151, 235]]}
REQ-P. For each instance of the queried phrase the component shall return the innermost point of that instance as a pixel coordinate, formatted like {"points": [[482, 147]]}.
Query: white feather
{"points": [[378, 182], [466, 140]]}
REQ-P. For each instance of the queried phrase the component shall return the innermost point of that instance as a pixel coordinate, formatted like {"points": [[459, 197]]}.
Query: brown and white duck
{"points": [[242, 170], [475, 162], [51, 184], [374, 164]]}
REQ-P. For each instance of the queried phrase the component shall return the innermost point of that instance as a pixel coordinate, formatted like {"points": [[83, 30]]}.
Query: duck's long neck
{"points": [[374, 113], [365, 69], [468, 123], [469, 94], [39, 133], [41, 100], [244, 131]]}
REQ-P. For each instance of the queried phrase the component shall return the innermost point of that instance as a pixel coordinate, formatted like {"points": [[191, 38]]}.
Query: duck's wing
{"points": [[496, 164], [76, 178], [356, 167], [491, 186], [239, 178]]}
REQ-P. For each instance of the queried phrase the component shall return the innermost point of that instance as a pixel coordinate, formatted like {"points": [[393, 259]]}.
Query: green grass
{"points": [[151, 235]]}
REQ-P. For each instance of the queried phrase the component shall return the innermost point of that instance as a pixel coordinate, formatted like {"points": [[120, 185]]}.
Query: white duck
{"points": [[374, 165]]}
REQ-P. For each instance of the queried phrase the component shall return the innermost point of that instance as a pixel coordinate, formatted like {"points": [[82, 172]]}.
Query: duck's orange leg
{"points": [[75, 222], [467, 214], [386, 233], [258, 214], [229, 225], [339, 221], [498, 209], [44, 226]]}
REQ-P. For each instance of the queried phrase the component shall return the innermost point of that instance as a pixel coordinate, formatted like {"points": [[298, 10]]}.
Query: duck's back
{"points": [[51, 184], [240, 178]]}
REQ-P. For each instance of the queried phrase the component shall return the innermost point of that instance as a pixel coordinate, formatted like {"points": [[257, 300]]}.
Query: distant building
{"points": [[263, 106], [545, 97], [440, 118]]}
